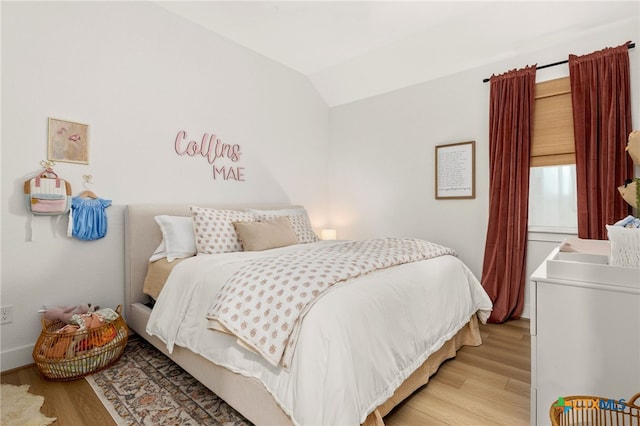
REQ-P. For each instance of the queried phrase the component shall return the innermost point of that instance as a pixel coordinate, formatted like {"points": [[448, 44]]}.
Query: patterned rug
{"points": [[146, 388]]}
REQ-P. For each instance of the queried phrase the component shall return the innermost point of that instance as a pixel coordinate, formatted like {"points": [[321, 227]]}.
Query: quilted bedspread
{"points": [[264, 302]]}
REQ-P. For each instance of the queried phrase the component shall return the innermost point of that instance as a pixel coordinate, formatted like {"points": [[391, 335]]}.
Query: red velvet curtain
{"points": [[601, 97], [511, 121]]}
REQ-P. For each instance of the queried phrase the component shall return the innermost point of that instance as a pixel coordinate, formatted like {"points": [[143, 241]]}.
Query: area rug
{"points": [[19, 407], [146, 388]]}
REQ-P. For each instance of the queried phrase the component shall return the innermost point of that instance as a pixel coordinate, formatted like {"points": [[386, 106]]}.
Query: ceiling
{"points": [[356, 49]]}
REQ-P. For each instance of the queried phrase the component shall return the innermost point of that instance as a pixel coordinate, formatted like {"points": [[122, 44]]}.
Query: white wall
{"points": [[382, 152], [137, 75]]}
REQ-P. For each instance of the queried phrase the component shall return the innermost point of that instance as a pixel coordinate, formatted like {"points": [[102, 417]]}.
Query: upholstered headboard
{"points": [[142, 236]]}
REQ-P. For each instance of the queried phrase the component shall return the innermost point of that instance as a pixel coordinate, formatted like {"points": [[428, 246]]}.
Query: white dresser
{"points": [[585, 330]]}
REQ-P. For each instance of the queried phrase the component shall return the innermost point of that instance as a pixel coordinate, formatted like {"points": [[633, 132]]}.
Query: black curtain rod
{"points": [[629, 46]]}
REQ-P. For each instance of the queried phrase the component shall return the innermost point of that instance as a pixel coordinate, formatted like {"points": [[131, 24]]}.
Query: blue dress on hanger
{"points": [[88, 219]]}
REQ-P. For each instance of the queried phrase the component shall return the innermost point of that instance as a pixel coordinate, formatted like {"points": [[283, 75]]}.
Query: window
{"points": [[552, 181], [552, 199]]}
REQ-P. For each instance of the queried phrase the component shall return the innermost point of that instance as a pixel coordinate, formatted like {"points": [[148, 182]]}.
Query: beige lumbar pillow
{"points": [[256, 236]]}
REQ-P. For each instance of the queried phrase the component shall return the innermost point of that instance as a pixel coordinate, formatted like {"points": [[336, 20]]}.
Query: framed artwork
{"points": [[456, 171], [68, 142]]}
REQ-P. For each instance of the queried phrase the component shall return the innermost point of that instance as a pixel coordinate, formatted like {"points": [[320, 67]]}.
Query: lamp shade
{"points": [[328, 234]]}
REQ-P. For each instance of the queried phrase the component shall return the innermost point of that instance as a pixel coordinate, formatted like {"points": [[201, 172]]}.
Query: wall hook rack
{"points": [[47, 164]]}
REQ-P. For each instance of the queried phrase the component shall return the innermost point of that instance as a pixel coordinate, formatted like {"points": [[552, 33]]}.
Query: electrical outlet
{"points": [[6, 314]]}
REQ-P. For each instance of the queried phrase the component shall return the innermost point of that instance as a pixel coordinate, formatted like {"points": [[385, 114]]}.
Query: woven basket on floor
{"points": [[594, 410], [69, 356]]}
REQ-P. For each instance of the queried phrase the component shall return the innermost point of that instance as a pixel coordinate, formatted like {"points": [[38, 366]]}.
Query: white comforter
{"points": [[360, 341]]}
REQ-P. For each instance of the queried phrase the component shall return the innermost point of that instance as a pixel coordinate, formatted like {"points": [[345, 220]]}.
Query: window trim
{"points": [[551, 235]]}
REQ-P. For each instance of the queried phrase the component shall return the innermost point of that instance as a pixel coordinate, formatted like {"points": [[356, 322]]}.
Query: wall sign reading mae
{"points": [[212, 149], [456, 171]]}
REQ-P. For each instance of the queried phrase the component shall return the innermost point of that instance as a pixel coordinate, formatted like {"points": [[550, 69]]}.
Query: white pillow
{"points": [[159, 253], [178, 238], [214, 229], [298, 218]]}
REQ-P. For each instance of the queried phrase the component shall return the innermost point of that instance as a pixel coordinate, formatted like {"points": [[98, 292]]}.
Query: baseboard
{"points": [[16, 358]]}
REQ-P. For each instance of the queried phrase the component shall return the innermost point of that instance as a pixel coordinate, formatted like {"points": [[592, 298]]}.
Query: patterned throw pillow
{"points": [[298, 218], [214, 229]]}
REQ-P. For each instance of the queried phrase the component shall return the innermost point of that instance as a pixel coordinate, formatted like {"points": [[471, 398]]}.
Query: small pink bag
{"points": [[46, 195]]}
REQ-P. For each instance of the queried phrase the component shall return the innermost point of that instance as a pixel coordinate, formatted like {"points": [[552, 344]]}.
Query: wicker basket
{"points": [[594, 410], [69, 356]]}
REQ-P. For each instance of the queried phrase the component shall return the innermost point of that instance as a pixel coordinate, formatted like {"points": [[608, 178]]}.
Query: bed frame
{"points": [[247, 395]]}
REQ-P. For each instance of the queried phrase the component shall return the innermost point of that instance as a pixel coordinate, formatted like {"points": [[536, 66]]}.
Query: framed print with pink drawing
{"points": [[68, 142]]}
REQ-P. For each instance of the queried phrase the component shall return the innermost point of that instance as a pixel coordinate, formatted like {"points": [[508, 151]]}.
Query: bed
{"points": [[326, 381]]}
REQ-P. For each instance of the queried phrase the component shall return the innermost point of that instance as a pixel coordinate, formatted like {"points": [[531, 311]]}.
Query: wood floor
{"points": [[73, 403], [485, 385]]}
